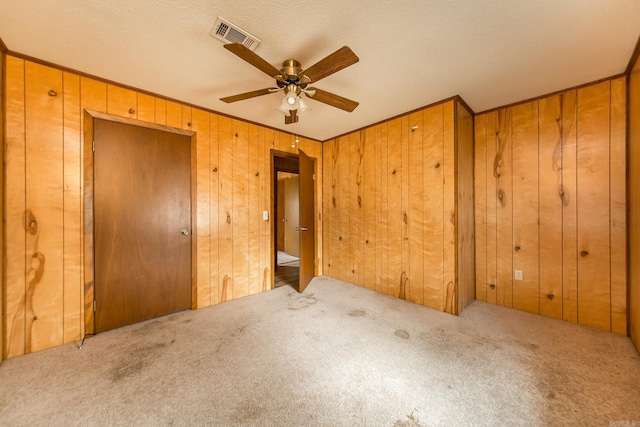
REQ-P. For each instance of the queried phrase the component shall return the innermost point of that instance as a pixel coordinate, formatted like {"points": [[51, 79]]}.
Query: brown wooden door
{"points": [[142, 223], [292, 215], [307, 221]]}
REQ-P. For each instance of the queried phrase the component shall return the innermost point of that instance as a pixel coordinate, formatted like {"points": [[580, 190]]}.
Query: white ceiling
{"points": [[412, 53]]}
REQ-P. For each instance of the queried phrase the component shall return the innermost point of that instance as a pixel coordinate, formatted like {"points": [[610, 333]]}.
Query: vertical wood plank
{"points": [[146, 107], [343, 209], [449, 220], [568, 109], [355, 208], [377, 161], [492, 208], [550, 199], [44, 216], [329, 203], [255, 210], [394, 177], [319, 181], [480, 188], [594, 280], [618, 206], [93, 95], [384, 214], [405, 268], [72, 202], [225, 209], [14, 297], [268, 226], [174, 114], [369, 209], [634, 204], [525, 205], [433, 206], [122, 102], [160, 111], [240, 209], [416, 214], [2, 205], [200, 126], [502, 172], [214, 188], [185, 114]]}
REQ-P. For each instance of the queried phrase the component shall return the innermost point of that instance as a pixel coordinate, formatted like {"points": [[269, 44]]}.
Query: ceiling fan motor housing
{"points": [[291, 70]]}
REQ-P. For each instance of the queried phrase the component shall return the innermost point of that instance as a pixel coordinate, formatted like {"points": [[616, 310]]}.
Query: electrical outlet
{"points": [[518, 275], [265, 215]]}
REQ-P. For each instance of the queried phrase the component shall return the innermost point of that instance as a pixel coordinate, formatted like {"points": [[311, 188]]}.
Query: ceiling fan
{"points": [[294, 81]]}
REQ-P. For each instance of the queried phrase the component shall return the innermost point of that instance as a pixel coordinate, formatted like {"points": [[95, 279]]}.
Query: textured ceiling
{"points": [[412, 53]]}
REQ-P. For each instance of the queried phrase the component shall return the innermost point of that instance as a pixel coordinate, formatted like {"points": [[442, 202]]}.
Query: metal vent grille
{"points": [[228, 33]]}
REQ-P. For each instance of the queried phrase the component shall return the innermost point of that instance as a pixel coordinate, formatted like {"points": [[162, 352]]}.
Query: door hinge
{"points": [[94, 306], [93, 146]]}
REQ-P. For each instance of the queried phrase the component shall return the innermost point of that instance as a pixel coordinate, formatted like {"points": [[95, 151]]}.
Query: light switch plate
{"points": [[518, 275], [265, 215]]}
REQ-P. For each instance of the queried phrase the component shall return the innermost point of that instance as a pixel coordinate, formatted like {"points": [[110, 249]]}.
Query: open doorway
{"points": [[288, 220]]}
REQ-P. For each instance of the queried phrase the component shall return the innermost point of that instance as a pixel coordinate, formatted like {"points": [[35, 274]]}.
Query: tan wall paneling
{"points": [[594, 267], [122, 102], [502, 172], [415, 293], [44, 217], [46, 301], [618, 205], [568, 119], [449, 187], [567, 224], [466, 285], [2, 246], [550, 206], [319, 207], [394, 197], [200, 125], [72, 220], [634, 205], [15, 185], [386, 207], [480, 189], [433, 206], [492, 207], [524, 143]]}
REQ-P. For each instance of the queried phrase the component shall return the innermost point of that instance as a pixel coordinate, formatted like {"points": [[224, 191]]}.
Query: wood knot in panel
{"points": [[215, 169], [517, 248], [393, 172], [359, 201], [257, 173], [492, 286], [228, 219], [131, 111], [366, 242], [550, 296], [31, 225], [405, 218], [333, 201], [53, 93], [584, 253], [340, 238], [189, 124], [437, 165], [502, 197]]}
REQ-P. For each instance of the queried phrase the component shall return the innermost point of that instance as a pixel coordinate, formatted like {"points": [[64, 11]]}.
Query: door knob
{"points": [[185, 231], [302, 229]]}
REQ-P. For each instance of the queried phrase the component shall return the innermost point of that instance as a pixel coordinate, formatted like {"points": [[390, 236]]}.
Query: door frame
{"points": [[88, 208]]}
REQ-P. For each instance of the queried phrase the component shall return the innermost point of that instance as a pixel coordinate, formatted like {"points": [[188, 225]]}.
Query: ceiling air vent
{"points": [[228, 33]]}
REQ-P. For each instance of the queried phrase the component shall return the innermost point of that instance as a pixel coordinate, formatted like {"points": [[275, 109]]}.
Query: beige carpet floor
{"points": [[336, 355]]}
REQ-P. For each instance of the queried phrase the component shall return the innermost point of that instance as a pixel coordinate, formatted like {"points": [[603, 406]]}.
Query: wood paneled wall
{"points": [[551, 202], [44, 277], [391, 206], [634, 205], [2, 262]]}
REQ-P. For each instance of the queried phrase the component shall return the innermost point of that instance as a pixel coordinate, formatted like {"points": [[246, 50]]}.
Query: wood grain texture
{"points": [[569, 109], [240, 218], [465, 226], [319, 180], [416, 210], [355, 208], [405, 237], [433, 206], [146, 107], [160, 111], [618, 205], [594, 268], [2, 203], [225, 209], [492, 208], [369, 209], [377, 162], [480, 189], [394, 197], [256, 266], [72, 202], [14, 295], [202, 273], [502, 173], [342, 255], [384, 210], [174, 114], [44, 217], [122, 102], [449, 216], [550, 206], [329, 202], [634, 205], [214, 199]]}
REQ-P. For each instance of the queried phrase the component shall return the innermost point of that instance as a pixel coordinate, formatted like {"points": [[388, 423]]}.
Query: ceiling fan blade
{"points": [[331, 99], [252, 58], [291, 118], [338, 60], [248, 95]]}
